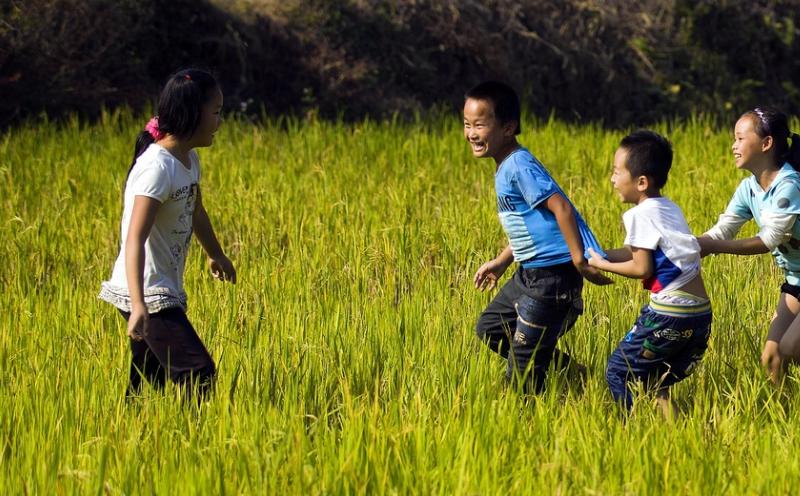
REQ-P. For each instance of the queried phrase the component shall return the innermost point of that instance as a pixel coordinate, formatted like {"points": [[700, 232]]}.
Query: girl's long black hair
{"points": [[180, 107]]}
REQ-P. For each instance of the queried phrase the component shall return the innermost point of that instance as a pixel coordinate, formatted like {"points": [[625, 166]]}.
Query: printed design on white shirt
{"points": [[186, 195]]}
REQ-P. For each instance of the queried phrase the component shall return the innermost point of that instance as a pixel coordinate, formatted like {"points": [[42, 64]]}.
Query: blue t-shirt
{"points": [[782, 197], [522, 185]]}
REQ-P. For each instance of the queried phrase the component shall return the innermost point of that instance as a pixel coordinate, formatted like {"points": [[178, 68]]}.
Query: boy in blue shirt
{"points": [[547, 237]]}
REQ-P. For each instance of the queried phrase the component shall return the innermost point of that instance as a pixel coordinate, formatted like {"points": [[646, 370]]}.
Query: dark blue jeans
{"points": [[659, 350], [526, 318]]}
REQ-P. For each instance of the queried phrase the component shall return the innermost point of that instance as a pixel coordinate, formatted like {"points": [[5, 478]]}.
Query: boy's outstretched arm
{"points": [[639, 266], [619, 254], [565, 217], [489, 273]]}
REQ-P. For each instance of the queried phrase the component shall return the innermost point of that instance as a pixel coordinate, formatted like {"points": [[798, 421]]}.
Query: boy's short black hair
{"points": [[502, 96], [649, 154]]}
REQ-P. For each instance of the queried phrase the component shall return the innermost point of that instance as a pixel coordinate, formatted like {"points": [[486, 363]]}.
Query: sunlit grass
{"points": [[347, 360]]}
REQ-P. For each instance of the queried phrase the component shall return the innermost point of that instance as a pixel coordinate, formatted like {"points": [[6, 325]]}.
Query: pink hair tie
{"points": [[152, 128]]}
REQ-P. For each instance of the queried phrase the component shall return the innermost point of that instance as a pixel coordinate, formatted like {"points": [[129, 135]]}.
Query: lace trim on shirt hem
{"points": [[156, 299]]}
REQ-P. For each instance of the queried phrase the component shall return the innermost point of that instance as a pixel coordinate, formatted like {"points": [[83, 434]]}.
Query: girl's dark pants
{"points": [[526, 318], [171, 349]]}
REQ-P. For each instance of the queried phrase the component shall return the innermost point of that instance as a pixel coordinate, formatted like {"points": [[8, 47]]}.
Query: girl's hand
{"points": [[488, 274], [222, 268], [771, 360], [137, 323]]}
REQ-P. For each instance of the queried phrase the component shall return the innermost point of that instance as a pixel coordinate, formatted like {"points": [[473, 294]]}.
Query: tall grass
{"points": [[347, 360]]}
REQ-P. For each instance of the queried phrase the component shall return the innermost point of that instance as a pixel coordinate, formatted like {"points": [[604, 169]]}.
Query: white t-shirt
{"points": [[658, 224], [159, 175]]}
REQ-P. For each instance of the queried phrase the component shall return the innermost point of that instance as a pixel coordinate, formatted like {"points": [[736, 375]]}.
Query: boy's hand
{"points": [[589, 270], [222, 268], [595, 260], [488, 274]]}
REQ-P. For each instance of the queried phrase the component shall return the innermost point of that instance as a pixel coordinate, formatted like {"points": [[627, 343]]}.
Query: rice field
{"points": [[347, 360]]}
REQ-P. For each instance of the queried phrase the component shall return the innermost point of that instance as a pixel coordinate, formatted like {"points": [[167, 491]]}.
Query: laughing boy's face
{"points": [[485, 134]]}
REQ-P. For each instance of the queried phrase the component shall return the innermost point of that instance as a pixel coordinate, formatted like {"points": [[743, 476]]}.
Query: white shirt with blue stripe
{"points": [[657, 224]]}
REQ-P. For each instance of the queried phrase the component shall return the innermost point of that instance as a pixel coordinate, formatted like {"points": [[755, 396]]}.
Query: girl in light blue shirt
{"points": [[764, 146]]}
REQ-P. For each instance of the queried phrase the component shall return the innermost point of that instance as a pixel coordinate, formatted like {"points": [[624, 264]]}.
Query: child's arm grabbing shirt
{"points": [[665, 254], [735, 216], [658, 225], [775, 211], [635, 260]]}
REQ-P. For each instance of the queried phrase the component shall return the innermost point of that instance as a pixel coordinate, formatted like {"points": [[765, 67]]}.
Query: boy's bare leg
{"points": [[665, 404]]}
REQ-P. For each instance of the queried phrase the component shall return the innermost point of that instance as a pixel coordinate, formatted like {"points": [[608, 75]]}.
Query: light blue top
{"points": [[783, 197], [522, 185]]}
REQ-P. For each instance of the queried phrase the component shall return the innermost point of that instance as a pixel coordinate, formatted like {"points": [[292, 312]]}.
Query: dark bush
{"points": [[613, 61]]}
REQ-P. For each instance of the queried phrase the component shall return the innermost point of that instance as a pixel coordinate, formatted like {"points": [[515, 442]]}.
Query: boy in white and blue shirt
{"points": [[671, 334], [547, 237]]}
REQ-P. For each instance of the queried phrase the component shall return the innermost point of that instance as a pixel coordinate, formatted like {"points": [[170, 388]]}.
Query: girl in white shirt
{"points": [[162, 208]]}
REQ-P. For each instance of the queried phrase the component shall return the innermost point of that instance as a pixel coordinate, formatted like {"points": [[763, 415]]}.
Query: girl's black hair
{"points": [[772, 122], [180, 107]]}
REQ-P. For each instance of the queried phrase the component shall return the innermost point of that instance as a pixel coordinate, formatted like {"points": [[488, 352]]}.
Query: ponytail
{"points": [[150, 135], [792, 155]]}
